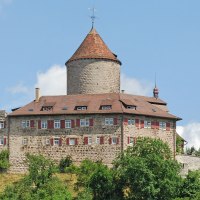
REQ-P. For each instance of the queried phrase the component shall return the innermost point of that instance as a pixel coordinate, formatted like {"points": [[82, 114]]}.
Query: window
{"points": [[25, 123], [56, 141], [1, 124], [72, 141], [1, 141], [97, 140], [147, 124], [44, 124], [108, 107], [56, 123], [131, 107], [89, 140], [68, 123], [84, 122], [114, 140], [47, 142], [131, 140], [109, 121], [131, 121], [162, 125], [25, 141], [81, 108]]}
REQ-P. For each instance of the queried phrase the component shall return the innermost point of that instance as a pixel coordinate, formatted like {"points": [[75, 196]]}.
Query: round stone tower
{"points": [[93, 68]]}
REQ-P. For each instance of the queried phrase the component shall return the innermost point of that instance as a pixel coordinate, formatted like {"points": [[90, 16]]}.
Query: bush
{"points": [[64, 163], [4, 161]]}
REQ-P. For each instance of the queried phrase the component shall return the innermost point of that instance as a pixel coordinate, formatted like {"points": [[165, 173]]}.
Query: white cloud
{"points": [[20, 88], [134, 86], [191, 133], [53, 81]]}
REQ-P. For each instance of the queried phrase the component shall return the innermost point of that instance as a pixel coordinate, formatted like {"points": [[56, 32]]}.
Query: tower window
{"points": [[162, 125], [109, 121], [1, 124], [25, 123]]}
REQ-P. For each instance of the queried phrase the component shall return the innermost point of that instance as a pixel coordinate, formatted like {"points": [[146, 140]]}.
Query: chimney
{"points": [[37, 95]]}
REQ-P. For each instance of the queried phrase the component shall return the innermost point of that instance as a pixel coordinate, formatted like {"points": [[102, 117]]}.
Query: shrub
{"points": [[4, 161], [64, 163]]}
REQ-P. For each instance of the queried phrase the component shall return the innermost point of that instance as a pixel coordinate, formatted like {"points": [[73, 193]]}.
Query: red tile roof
{"points": [[93, 47], [65, 105]]}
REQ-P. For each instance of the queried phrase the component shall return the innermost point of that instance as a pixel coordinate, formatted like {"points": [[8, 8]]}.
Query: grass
{"points": [[68, 179], [7, 179]]}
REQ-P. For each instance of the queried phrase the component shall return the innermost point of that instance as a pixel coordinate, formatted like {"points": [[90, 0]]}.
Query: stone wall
{"points": [[93, 76], [39, 141], [188, 163]]}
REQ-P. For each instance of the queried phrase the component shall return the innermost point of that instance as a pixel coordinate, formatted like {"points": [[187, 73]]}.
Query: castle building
{"points": [[3, 130], [94, 120]]}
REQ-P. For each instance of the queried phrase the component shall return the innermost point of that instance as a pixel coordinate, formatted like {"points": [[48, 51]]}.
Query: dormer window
{"points": [[131, 107], [128, 104], [48, 106], [81, 108], [106, 107]]}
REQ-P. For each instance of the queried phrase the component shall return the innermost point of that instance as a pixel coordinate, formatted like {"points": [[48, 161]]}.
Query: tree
{"points": [[191, 185], [147, 171], [38, 184], [4, 161]]}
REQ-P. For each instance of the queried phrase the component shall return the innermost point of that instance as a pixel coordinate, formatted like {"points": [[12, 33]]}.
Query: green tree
{"points": [[38, 184], [191, 185], [147, 171], [4, 161]]}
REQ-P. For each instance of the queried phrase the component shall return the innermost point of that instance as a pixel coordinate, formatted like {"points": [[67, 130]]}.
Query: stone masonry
{"points": [[112, 138], [93, 76]]}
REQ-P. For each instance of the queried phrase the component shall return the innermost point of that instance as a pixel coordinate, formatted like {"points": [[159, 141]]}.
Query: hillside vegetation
{"points": [[144, 171]]}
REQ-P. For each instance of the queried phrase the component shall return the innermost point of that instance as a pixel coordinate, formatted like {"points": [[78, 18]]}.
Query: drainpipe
{"points": [[122, 133]]}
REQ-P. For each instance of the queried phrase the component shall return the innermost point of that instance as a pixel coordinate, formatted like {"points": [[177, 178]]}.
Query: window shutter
{"points": [[135, 140], [60, 141], [51, 141], [168, 126], [115, 121], [78, 122], [85, 140], [110, 140], [137, 123], [4, 124], [39, 124], [117, 140], [125, 121], [101, 140], [73, 124], [128, 140], [50, 124], [32, 123], [157, 125], [153, 125], [62, 123], [76, 141], [91, 122], [141, 123], [67, 141], [4, 142]]}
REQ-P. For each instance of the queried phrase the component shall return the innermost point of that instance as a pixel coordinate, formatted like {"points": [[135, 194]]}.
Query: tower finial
{"points": [[155, 90], [93, 17]]}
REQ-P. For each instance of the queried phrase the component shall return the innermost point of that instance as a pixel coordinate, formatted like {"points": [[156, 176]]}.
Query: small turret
{"points": [[155, 92]]}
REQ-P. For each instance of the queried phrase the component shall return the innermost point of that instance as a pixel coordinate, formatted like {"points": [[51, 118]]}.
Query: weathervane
{"points": [[93, 17]]}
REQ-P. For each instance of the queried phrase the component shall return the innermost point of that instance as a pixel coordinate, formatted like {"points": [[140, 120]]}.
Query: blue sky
{"points": [[149, 36]]}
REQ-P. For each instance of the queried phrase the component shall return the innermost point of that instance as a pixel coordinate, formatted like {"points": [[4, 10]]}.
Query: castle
{"points": [[94, 120]]}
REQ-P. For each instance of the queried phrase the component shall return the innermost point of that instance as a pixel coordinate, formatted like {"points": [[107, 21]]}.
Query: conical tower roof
{"points": [[93, 47]]}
